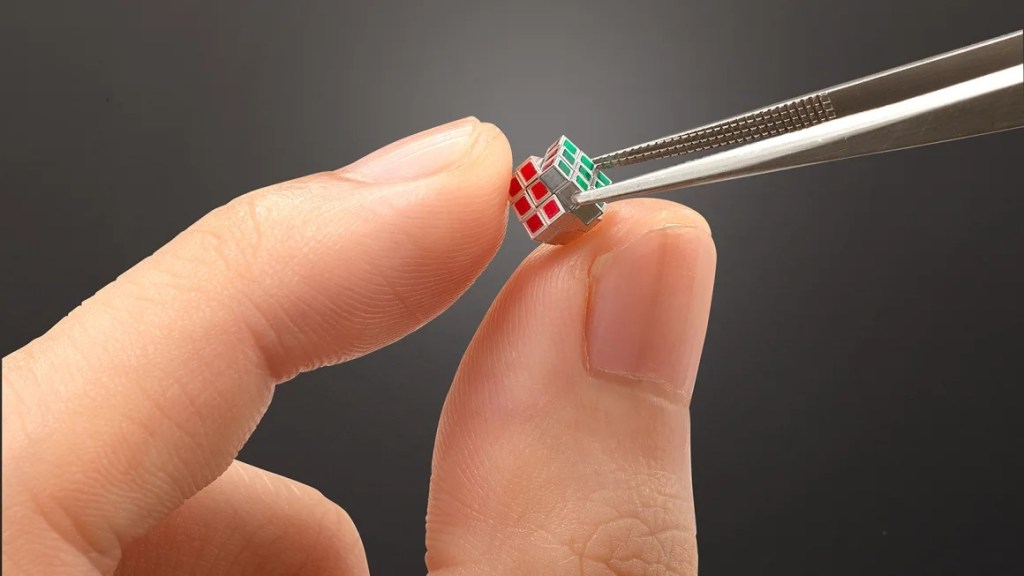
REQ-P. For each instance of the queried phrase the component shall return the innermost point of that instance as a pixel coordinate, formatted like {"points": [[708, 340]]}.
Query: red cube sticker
{"points": [[522, 206], [528, 170], [515, 186], [534, 223], [552, 209], [538, 190]]}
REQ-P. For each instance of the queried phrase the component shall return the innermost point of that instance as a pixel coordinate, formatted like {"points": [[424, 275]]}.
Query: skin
{"points": [[121, 423]]}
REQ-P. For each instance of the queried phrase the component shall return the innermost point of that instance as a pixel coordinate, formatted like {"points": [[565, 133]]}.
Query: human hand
{"points": [[563, 447]]}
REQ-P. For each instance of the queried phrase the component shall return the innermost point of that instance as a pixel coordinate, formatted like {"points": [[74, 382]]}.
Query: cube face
{"points": [[541, 193]]}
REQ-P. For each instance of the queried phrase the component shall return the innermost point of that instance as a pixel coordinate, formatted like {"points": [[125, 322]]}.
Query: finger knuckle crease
{"points": [[101, 548]]}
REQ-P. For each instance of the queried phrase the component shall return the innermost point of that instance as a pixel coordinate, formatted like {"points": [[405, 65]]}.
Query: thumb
{"points": [[564, 444]]}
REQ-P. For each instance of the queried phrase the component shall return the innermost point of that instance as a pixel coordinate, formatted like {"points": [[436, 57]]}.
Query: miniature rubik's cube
{"points": [[541, 193]]}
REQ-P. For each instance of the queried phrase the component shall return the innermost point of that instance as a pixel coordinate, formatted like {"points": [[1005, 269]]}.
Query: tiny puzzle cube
{"points": [[542, 189]]}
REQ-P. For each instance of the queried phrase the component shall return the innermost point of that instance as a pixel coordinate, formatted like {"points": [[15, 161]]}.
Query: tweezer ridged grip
{"points": [[771, 121]]}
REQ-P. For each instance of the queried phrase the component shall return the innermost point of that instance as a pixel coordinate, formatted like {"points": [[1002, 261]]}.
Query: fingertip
{"points": [[485, 174], [456, 218], [542, 311], [496, 137], [627, 220], [396, 252], [481, 181], [624, 221]]}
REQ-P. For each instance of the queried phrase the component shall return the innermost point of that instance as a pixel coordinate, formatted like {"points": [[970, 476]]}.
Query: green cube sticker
{"points": [[582, 183], [568, 156], [569, 145], [602, 179], [565, 169], [586, 161], [586, 173]]}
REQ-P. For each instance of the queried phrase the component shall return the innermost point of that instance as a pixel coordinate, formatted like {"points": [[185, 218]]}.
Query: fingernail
{"points": [[416, 156], [649, 306]]}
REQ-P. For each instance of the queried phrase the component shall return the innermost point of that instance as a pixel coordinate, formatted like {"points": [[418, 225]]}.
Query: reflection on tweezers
{"points": [[968, 92]]}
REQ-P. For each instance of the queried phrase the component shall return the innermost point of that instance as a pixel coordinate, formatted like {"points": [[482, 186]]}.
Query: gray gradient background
{"points": [[857, 409]]}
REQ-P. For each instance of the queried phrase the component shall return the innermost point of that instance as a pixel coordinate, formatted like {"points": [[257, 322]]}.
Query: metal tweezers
{"points": [[968, 92]]}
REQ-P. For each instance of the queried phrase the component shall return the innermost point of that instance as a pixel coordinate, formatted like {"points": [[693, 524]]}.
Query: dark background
{"points": [[857, 410]]}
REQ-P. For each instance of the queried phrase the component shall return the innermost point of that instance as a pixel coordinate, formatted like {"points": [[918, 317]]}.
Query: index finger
{"points": [[145, 393]]}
